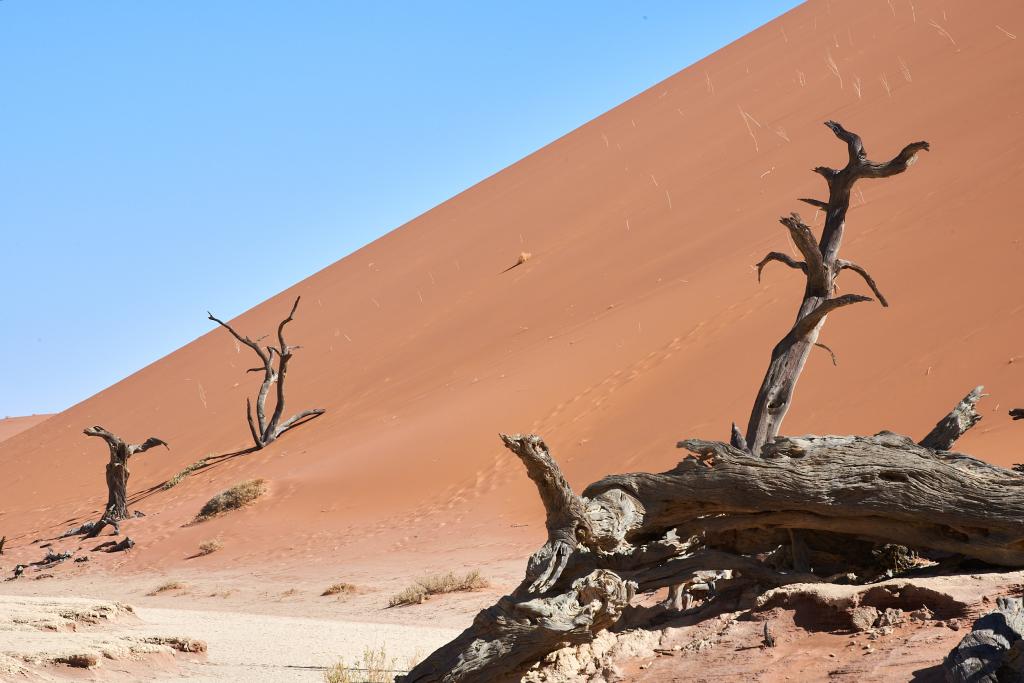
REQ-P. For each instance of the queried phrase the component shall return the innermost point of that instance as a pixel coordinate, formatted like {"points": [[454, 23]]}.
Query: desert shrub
{"points": [[211, 546], [436, 584], [373, 667], [236, 497], [339, 588], [176, 479], [168, 586]]}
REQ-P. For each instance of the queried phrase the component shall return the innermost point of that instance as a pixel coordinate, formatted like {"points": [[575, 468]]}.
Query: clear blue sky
{"points": [[151, 151]]}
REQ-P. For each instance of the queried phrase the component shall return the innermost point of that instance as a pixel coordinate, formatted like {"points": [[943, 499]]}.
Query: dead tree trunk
{"points": [[821, 266], [265, 431], [117, 475], [721, 509]]}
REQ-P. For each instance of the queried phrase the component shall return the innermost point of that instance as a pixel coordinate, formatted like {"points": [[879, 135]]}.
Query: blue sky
{"points": [[152, 150]]}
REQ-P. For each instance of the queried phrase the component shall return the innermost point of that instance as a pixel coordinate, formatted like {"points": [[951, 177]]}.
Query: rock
{"points": [[863, 618], [921, 615], [993, 652], [890, 617]]}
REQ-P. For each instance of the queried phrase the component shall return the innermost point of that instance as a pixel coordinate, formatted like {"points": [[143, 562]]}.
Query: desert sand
{"points": [[9, 426], [638, 320]]}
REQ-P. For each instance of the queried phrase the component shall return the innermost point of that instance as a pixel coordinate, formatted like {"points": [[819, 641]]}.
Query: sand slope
{"points": [[637, 321], [9, 426]]}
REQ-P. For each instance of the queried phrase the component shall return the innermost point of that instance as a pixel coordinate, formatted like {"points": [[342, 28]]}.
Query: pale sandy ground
{"points": [[258, 648]]}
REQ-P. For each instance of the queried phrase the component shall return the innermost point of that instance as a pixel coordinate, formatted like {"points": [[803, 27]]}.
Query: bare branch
{"points": [[737, 440], [781, 258], [280, 328], [145, 446], [854, 145], [244, 340], [898, 164], [285, 354], [96, 430], [811, 320], [256, 435], [817, 203], [850, 265], [803, 238], [298, 419], [827, 173], [955, 424], [830, 352]]}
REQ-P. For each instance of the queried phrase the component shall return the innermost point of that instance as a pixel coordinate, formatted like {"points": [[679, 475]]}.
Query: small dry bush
{"points": [[339, 588], [176, 479], [210, 546], [168, 586], [436, 584], [373, 667], [238, 496]]}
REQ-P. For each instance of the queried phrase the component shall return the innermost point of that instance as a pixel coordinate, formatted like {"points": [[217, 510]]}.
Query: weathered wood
{"points": [[642, 531], [954, 425], [821, 266], [265, 431], [117, 474]]}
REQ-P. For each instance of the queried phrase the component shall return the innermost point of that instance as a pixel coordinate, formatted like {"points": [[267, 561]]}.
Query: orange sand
{"points": [[637, 321]]}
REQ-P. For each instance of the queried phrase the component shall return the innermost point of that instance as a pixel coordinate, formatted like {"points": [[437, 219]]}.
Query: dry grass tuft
{"points": [[373, 667], [168, 586], [211, 546], [238, 496], [437, 584], [176, 479], [339, 589]]}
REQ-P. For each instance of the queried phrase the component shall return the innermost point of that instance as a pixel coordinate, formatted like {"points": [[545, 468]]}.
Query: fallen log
{"points": [[722, 508]]}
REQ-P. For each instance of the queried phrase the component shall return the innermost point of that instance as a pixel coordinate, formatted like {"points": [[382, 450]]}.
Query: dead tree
{"points": [[722, 509], [263, 430], [117, 476], [821, 266], [828, 501]]}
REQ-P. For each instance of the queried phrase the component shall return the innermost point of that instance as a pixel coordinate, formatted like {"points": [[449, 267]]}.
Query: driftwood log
{"points": [[723, 509], [117, 476], [266, 430], [821, 266]]}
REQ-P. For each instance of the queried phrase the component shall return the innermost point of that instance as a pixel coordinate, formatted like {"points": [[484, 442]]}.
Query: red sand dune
{"points": [[637, 321], [9, 426]]}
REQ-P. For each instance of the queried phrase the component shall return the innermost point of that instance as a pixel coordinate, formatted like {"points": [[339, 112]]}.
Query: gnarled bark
{"points": [[266, 430], [720, 509], [821, 266], [117, 474]]}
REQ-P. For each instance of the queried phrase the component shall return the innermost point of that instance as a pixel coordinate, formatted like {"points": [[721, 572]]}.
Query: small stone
{"points": [[863, 618], [922, 615], [953, 624]]}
